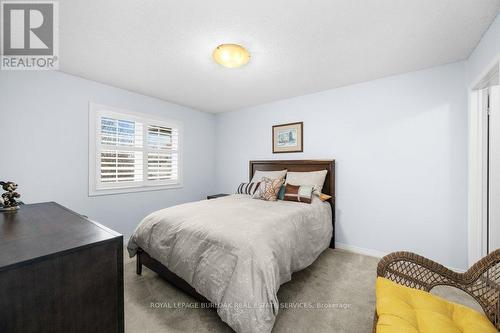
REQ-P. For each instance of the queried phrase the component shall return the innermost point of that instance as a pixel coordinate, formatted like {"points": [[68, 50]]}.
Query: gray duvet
{"points": [[237, 251]]}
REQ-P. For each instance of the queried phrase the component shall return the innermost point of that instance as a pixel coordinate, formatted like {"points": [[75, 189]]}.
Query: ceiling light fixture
{"points": [[231, 55]]}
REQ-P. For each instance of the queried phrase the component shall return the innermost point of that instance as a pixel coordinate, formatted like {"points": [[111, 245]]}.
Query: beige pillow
{"points": [[314, 178], [268, 189], [258, 175]]}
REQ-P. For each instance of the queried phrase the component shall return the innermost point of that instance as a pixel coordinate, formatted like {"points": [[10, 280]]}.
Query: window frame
{"points": [[96, 111]]}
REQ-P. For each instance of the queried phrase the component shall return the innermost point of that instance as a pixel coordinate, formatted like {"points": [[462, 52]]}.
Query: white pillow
{"points": [[258, 175], [314, 178]]}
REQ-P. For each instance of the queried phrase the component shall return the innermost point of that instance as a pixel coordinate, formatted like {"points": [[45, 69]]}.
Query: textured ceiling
{"points": [[163, 48]]}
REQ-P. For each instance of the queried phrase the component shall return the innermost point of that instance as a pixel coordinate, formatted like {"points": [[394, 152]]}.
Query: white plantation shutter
{"points": [[163, 153], [132, 152], [121, 166], [121, 158]]}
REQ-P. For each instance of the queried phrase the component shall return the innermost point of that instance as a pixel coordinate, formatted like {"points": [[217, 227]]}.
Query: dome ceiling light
{"points": [[231, 55]]}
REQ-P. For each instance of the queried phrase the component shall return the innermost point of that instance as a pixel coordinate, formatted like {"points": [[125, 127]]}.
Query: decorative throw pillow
{"points": [[247, 188], [301, 193], [281, 193], [324, 197], [258, 175], [268, 189]]}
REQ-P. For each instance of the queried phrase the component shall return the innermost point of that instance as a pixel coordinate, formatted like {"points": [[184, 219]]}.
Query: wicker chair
{"points": [[481, 281]]}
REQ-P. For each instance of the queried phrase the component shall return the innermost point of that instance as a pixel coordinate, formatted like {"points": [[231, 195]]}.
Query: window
{"points": [[132, 152]]}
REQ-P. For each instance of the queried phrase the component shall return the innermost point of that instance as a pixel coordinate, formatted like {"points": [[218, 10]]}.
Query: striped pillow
{"points": [[247, 188], [301, 193]]}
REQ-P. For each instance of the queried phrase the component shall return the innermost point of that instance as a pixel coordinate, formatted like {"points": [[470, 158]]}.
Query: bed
{"points": [[236, 251]]}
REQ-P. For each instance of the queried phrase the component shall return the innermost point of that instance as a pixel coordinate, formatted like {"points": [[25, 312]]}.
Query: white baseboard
{"points": [[374, 253], [360, 250]]}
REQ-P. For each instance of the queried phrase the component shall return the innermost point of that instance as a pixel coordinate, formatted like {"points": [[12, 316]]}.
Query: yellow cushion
{"points": [[406, 310]]}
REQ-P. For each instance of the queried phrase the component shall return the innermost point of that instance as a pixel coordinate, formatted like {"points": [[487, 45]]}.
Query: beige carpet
{"points": [[341, 281]]}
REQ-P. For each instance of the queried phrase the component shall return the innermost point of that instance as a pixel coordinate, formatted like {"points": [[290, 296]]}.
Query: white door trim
{"points": [[494, 169], [478, 150]]}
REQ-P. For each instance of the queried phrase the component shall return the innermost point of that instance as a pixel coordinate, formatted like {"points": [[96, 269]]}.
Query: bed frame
{"points": [[291, 165]]}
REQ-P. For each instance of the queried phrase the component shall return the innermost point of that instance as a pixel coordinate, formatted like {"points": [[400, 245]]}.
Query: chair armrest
{"points": [[414, 271], [481, 281]]}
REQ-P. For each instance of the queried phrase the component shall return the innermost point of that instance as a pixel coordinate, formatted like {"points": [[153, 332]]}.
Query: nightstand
{"points": [[215, 196]]}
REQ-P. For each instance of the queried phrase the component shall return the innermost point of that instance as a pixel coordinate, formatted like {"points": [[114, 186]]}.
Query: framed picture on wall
{"points": [[288, 138]]}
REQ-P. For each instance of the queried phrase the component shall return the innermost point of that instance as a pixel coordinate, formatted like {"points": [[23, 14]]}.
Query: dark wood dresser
{"points": [[59, 272]]}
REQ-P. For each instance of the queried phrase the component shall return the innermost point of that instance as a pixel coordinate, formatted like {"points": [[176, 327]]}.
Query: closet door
{"points": [[494, 169]]}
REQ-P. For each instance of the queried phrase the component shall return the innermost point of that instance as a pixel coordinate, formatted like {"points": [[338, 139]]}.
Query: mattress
{"points": [[237, 251]]}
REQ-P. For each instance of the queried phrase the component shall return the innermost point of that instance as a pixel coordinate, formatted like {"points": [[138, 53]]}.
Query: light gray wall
{"points": [[400, 144], [44, 139], [485, 53]]}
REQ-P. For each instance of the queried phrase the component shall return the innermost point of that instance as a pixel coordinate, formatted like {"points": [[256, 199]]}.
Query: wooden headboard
{"points": [[304, 166]]}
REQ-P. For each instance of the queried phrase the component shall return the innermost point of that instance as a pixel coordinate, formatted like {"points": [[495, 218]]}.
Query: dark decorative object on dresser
{"points": [[8, 199], [59, 272], [215, 196]]}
